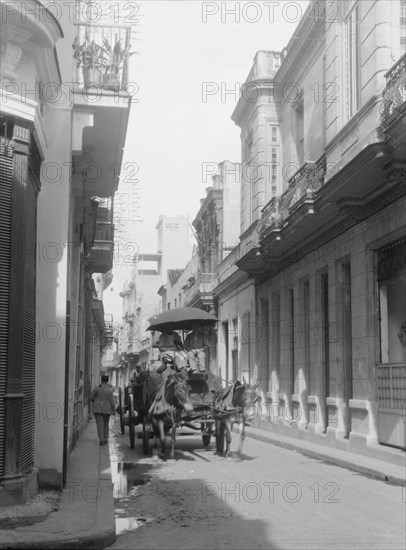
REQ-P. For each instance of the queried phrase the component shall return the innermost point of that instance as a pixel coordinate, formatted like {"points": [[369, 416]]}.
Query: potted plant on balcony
{"points": [[117, 55], [92, 58]]}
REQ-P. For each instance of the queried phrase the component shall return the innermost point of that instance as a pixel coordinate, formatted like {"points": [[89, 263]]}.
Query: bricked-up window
{"points": [[265, 338], [299, 131], [276, 332], [274, 170], [352, 46], [306, 333], [246, 184], [291, 338]]}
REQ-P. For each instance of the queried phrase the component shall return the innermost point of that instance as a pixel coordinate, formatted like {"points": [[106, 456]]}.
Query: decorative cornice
{"points": [[11, 53]]}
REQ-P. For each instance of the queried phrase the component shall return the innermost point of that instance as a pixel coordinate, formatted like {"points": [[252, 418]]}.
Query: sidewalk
{"points": [[85, 518], [385, 470]]}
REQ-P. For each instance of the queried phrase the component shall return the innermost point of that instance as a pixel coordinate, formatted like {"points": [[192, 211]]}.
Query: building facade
{"points": [[57, 128], [326, 253]]}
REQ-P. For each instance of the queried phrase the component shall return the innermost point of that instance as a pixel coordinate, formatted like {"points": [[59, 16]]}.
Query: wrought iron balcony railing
{"points": [[304, 184], [108, 330], [104, 221], [101, 54], [104, 232], [203, 285], [394, 94]]}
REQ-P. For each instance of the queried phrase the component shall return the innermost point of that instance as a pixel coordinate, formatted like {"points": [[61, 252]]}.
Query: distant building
{"points": [[216, 228], [141, 300]]}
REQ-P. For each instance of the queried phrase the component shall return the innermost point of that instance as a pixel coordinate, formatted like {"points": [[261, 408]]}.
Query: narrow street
{"points": [[267, 497]]}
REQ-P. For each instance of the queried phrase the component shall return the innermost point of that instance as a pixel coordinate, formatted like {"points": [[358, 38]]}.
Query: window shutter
{"points": [[6, 187], [28, 374]]}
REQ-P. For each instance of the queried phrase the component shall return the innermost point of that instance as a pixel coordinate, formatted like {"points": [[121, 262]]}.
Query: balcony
{"points": [[133, 350], [145, 343], [100, 257], [108, 330], [102, 56], [89, 225], [101, 104], [394, 95], [200, 292], [297, 202]]}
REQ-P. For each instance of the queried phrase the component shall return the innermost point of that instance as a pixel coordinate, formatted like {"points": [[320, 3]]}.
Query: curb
{"points": [[100, 534], [342, 462]]}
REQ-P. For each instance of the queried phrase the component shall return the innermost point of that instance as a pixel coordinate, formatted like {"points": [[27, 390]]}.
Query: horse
{"points": [[236, 404], [167, 401]]}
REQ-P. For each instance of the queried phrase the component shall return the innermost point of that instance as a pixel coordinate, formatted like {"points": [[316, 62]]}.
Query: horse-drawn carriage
{"points": [[165, 400], [134, 405]]}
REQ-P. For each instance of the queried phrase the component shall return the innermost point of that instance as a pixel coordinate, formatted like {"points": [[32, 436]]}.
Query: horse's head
{"points": [[177, 392], [250, 399]]}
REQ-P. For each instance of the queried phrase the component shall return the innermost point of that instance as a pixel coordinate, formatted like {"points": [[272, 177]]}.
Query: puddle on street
{"points": [[128, 524], [126, 477]]}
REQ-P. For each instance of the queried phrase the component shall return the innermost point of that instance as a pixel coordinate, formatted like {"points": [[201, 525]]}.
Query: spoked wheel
{"points": [[120, 401], [131, 421], [206, 433]]}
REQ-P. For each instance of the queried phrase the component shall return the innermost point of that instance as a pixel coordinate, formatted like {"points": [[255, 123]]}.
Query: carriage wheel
{"points": [[206, 428], [131, 421], [120, 401]]}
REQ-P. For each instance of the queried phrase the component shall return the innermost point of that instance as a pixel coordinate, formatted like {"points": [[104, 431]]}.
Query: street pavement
{"points": [[269, 497], [266, 497]]}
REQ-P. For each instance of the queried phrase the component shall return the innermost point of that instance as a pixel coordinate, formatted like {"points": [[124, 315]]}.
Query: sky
{"points": [[189, 54]]}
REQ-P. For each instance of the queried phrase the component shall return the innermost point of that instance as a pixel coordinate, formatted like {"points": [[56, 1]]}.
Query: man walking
{"points": [[102, 398]]}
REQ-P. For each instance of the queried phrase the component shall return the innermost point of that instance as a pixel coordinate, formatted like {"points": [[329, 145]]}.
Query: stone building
{"points": [[61, 132], [324, 257]]}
